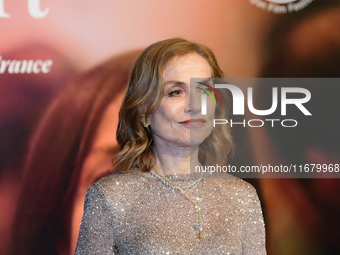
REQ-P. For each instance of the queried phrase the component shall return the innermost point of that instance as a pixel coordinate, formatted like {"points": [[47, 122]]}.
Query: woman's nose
{"points": [[194, 105]]}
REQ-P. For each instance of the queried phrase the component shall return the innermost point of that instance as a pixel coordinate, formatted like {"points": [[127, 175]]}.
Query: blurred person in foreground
{"points": [[71, 148], [153, 205], [304, 214], [23, 99]]}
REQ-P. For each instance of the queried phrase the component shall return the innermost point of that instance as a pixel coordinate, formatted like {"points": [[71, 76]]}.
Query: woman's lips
{"points": [[193, 122]]}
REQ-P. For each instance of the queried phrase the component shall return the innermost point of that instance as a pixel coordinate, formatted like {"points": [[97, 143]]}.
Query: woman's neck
{"points": [[179, 162]]}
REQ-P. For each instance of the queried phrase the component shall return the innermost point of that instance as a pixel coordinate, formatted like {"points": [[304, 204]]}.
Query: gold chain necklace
{"points": [[197, 224]]}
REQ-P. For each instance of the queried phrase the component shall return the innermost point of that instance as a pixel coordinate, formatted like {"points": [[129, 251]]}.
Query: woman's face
{"points": [[178, 121]]}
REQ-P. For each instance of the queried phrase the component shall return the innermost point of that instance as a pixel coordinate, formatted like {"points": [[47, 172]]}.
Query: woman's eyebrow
{"points": [[175, 82]]}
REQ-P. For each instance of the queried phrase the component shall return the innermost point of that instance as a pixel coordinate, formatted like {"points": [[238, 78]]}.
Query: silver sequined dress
{"points": [[138, 214]]}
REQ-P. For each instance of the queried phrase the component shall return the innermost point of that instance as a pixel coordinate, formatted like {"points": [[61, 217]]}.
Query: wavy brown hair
{"points": [[144, 94]]}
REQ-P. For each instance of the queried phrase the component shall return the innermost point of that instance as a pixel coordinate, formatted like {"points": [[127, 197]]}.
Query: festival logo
{"points": [[281, 6]]}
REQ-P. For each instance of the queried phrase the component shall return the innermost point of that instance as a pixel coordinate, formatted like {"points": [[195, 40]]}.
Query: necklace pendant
{"points": [[201, 234], [195, 200]]}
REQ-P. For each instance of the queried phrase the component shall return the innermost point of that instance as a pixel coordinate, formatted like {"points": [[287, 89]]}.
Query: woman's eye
{"points": [[174, 93]]}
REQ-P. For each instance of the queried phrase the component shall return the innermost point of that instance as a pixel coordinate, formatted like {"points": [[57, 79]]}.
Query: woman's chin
{"points": [[195, 142]]}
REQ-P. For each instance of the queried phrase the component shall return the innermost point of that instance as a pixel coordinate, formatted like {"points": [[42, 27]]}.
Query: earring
{"points": [[146, 125]]}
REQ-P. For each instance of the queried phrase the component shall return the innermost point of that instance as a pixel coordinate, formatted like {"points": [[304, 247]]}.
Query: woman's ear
{"points": [[144, 121], [142, 118]]}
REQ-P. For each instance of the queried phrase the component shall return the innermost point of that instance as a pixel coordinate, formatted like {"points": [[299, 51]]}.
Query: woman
{"points": [[153, 205], [71, 148]]}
